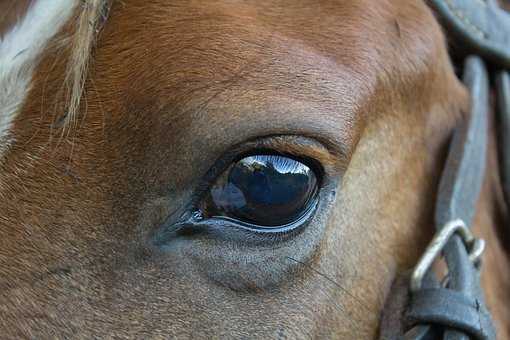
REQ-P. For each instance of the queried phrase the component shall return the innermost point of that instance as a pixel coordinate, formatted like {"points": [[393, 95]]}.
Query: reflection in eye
{"points": [[266, 190]]}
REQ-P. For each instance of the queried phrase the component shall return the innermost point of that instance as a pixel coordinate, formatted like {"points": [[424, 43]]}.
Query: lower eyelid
{"points": [[225, 223], [194, 224]]}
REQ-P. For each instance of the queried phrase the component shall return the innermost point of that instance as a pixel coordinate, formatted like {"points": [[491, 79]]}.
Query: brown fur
{"points": [[10, 12], [366, 87]]}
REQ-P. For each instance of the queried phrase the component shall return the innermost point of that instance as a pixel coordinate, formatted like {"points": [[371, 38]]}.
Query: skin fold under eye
{"points": [[264, 190]]}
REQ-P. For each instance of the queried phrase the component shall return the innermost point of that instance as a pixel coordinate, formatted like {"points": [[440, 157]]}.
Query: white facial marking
{"points": [[20, 49]]}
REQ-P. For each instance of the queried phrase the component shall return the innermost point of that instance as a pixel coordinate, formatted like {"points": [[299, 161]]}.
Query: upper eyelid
{"points": [[311, 148], [292, 145], [295, 146]]}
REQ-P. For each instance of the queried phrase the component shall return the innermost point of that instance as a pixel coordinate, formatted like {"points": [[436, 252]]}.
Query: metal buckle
{"points": [[475, 247]]}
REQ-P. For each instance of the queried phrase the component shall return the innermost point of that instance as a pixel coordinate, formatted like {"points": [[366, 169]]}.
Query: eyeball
{"points": [[265, 190]]}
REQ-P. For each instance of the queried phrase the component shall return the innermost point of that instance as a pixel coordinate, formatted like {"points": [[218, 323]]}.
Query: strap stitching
{"points": [[479, 312], [459, 14]]}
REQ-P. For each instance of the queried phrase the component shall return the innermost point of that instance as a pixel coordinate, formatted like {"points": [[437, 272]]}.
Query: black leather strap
{"points": [[459, 191], [480, 25], [503, 96], [456, 310], [450, 309]]}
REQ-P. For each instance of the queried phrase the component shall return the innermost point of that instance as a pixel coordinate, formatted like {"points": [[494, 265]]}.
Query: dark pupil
{"points": [[266, 190]]}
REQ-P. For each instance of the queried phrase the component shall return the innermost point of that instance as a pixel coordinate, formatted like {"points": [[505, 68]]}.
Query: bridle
{"points": [[421, 306]]}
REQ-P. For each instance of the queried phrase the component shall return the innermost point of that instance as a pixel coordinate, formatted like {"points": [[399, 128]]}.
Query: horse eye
{"points": [[265, 190]]}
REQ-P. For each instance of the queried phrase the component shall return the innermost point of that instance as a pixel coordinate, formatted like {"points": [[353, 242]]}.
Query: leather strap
{"points": [[480, 25], [459, 191], [455, 310], [503, 96], [397, 300], [452, 310]]}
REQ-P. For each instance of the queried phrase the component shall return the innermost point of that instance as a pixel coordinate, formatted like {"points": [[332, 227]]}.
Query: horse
{"points": [[226, 169]]}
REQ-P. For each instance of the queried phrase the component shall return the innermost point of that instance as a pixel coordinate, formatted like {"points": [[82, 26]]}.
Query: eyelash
{"points": [[224, 163]]}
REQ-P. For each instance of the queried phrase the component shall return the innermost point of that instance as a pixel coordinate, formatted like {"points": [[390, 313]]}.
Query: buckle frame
{"points": [[475, 247]]}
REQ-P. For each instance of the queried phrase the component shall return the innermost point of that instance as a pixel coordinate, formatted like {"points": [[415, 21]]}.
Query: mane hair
{"points": [[89, 21], [28, 28]]}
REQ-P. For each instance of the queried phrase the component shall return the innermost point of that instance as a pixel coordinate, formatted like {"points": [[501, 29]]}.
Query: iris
{"points": [[265, 190]]}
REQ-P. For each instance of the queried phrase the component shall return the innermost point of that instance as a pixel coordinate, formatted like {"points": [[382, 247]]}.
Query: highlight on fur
{"points": [[89, 21], [20, 47]]}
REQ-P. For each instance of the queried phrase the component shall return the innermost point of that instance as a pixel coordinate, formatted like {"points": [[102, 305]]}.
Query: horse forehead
{"points": [[229, 32], [354, 42], [153, 54], [214, 38]]}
